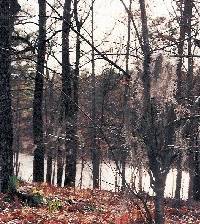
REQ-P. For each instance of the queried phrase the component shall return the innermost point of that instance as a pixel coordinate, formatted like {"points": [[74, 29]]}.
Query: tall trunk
{"points": [[196, 163], [195, 154], [17, 134], [38, 161], [183, 30], [123, 163], [126, 98], [71, 154], [178, 180], [49, 166], [60, 165], [196, 180], [190, 75], [68, 86], [128, 37], [50, 116], [66, 70], [140, 177], [191, 175], [158, 170], [8, 9], [193, 159], [147, 59], [95, 150], [159, 201], [70, 175]]}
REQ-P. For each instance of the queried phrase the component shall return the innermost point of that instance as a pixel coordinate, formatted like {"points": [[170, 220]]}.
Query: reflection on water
{"points": [[108, 176]]}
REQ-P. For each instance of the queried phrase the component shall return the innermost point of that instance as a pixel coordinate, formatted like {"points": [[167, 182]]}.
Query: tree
{"points": [[72, 146], [38, 162], [184, 28], [194, 156], [94, 146], [187, 92], [125, 120], [160, 156], [67, 92], [8, 10]]}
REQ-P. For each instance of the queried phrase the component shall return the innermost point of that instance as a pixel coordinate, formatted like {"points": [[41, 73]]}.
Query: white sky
{"points": [[108, 11], [108, 14]]}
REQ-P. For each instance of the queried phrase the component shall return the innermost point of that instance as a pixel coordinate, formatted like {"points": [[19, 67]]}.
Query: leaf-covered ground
{"points": [[62, 206]]}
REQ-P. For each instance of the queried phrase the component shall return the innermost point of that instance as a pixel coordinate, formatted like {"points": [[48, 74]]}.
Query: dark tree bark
{"points": [[49, 167], [38, 162], [66, 67], [49, 108], [72, 147], [196, 177], [194, 158], [159, 199], [60, 166], [126, 115], [190, 75], [50, 114], [157, 179], [17, 134], [183, 30], [195, 154], [94, 146], [67, 92], [8, 9], [178, 179], [69, 99]]}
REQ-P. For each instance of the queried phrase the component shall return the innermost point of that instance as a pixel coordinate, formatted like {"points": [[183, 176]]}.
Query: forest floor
{"points": [[53, 205]]}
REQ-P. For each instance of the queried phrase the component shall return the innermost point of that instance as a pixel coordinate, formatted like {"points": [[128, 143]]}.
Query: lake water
{"points": [[108, 176]]}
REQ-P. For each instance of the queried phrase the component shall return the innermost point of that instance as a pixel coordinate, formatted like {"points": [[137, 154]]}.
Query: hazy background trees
{"points": [[8, 11]]}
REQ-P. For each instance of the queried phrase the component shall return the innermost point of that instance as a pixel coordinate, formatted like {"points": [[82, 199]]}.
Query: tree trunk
{"points": [[70, 175], [190, 94], [183, 31], [158, 168], [125, 119], [190, 75], [71, 154], [140, 176], [159, 202], [66, 67], [70, 97], [38, 161], [17, 133], [196, 181], [8, 9], [194, 191], [50, 125], [123, 164], [178, 180], [185, 28], [60, 166], [191, 175], [193, 158], [94, 147], [196, 166], [82, 168], [49, 166]]}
